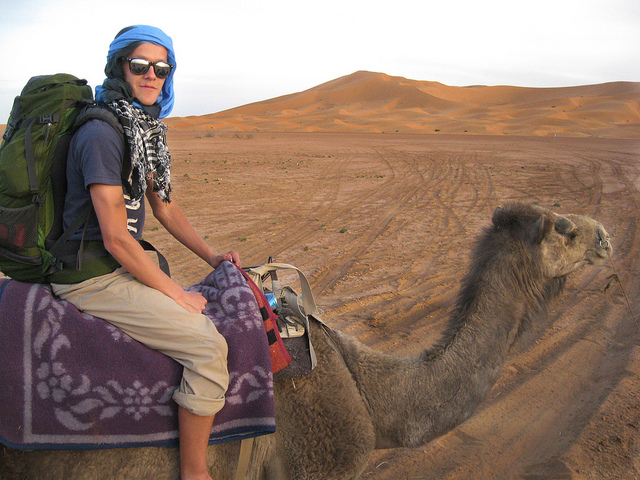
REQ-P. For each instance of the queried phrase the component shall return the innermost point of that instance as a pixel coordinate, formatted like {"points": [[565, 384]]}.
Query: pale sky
{"points": [[235, 52]]}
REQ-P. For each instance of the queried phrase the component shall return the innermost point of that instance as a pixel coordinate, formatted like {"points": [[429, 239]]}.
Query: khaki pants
{"points": [[158, 322]]}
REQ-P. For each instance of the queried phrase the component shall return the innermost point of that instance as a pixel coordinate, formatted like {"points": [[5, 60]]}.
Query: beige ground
{"points": [[382, 225]]}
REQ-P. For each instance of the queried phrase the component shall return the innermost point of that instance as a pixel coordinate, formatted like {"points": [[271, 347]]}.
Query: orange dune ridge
{"points": [[368, 102]]}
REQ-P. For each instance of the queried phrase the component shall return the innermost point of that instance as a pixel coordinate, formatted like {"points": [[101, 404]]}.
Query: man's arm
{"points": [[110, 208]]}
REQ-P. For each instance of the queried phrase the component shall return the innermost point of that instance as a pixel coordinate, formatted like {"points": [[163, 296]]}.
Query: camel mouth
{"points": [[601, 255], [600, 252], [598, 255]]}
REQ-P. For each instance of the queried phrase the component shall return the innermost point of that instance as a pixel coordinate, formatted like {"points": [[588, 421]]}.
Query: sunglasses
{"points": [[140, 66]]}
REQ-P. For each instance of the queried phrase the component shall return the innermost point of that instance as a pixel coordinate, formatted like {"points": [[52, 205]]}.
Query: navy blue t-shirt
{"points": [[95, 155]]}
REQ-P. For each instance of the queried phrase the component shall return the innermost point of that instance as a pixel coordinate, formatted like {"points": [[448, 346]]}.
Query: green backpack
{"points": [[33, 157]]}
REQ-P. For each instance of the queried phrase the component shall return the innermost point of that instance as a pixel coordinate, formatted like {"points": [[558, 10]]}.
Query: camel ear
{"points": [[539, 229], [564, 226], [498, 217]]}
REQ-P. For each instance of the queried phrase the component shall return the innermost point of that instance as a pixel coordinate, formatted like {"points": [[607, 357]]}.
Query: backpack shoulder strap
{"points": [[99, 112], [104, 113]]}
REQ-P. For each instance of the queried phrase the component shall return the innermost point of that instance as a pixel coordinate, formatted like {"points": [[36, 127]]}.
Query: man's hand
{"points": [[193, 302], [231, 256]]}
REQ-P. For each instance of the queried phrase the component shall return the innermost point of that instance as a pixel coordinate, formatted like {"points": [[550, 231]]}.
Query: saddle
{"points": [[293, 312]]}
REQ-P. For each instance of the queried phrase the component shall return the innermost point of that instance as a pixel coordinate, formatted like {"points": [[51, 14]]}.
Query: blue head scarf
{"points": [[125, 42]]}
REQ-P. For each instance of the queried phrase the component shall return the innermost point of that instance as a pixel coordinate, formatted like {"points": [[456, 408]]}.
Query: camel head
{"points": [[565, 242]]}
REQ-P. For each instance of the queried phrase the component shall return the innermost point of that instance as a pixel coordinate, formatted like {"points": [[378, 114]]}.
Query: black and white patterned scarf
{"points": [[150, 157]]}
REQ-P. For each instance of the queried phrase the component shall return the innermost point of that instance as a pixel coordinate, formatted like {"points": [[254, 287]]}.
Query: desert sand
{"points": [[351, 182], [383, 224]]}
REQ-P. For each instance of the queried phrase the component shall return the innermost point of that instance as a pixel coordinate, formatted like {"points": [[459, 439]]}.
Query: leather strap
{"points": [[308, 302], [246, 446]]}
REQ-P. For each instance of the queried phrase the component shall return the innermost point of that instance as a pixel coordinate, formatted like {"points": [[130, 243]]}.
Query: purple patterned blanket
{"points": [[70, 380]]}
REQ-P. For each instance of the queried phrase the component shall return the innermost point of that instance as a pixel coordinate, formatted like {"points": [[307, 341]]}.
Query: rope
{"points": [[616, 277]]}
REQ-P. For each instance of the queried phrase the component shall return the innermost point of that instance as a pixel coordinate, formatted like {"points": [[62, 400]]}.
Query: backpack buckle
{"points": [[44, 119]]}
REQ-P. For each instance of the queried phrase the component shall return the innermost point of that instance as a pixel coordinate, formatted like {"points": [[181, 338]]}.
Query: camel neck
{"points": [[413, 400]]}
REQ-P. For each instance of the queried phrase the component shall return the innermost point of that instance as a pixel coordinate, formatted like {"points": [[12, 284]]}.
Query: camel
{"points": [[357, 399]]}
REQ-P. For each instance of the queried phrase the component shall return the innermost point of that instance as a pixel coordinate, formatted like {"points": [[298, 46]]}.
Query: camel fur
{"points": [[357, 399]]}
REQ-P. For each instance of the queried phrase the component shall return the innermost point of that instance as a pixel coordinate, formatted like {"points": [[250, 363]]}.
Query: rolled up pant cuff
{"points": [[201, 406]]}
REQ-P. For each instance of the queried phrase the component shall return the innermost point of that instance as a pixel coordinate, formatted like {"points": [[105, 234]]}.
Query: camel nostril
{"points": [[603, 239]]}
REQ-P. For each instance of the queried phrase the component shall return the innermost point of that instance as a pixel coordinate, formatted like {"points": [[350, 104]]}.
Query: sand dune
{"points": [[368, 102]]}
